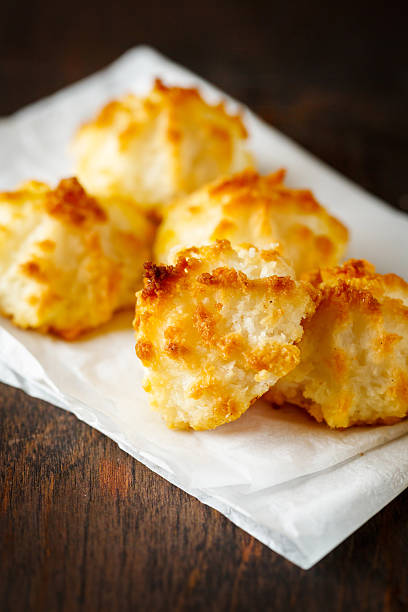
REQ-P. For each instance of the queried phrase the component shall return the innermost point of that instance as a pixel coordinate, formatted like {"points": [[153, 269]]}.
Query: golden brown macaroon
{"points": [[260, 210], [155, 148], [216, 330], [354, 352], [68, 261]]}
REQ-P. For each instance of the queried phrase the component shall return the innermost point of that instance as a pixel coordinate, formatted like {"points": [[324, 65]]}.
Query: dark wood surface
{"points": [[82, 525]]}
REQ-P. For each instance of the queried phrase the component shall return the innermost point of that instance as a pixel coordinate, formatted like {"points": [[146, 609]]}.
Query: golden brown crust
{"points": [[155, 279], [70, 203], [47, 245], [218, 326], [169, 95], [260, 210], [354, 352], [178, 96], [353, 268], [32, 269], [68, 261]]}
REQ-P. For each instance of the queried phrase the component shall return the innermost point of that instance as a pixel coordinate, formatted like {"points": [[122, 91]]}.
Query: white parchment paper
{"points": [[293, 484]]}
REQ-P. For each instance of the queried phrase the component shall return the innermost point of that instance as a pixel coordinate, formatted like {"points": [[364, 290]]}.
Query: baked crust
{"points": [[353, 366], [68, 260], [155, 148], [216, 330], [255, 209]]}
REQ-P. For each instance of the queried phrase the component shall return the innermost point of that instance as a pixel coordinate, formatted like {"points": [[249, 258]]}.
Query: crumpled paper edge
{"points": [[105, 425]]}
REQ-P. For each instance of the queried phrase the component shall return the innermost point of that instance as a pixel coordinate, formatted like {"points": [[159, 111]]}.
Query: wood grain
{"points": [[83, 526]]}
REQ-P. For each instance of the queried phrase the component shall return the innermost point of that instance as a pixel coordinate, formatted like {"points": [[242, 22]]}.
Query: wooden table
{"points": [[82, 524]]}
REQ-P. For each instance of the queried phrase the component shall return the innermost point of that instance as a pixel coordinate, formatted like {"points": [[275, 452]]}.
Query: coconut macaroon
{"points": [[158, 147], [216, 330], [68, 261], [354, 352], [260, 210]]}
